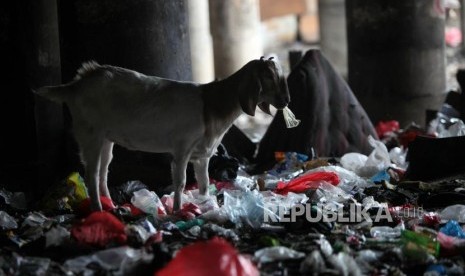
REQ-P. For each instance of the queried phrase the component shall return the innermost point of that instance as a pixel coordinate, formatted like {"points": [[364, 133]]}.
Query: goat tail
{"points": [[56, 94]]}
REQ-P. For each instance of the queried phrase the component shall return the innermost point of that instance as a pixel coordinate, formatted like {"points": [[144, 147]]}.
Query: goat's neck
{"points": [[221, 98]]}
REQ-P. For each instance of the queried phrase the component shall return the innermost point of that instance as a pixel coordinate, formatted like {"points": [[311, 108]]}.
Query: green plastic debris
{"points": [[78, 188], [268, 241], [184, 225], [415, 245]]}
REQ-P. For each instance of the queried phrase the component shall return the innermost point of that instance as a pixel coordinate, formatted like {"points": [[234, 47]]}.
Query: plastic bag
{"points": [[289, 118], [148, 202], [349, 180], [306, 182], [99, 229], [213, 257], [244, 207], [377, 160], [384, 128], [454, 212], [277, 253], [453, 229]]}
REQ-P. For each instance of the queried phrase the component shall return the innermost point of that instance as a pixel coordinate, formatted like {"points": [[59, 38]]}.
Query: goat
{"points": [[111, 104]]}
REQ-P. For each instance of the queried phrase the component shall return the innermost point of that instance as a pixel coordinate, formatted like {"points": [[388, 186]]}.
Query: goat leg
{"points": [[105, 159], [178, 171], [201, 174], [91, 155]]}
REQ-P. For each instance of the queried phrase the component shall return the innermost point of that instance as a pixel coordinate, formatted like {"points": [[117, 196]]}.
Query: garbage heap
{"points": [[378, 213]]}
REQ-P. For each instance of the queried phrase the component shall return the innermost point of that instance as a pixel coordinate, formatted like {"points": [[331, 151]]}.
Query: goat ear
{"points": [[249, 93]]}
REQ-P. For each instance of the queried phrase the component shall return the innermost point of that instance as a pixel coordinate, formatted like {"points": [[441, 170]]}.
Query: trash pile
{"points": [[392, 204], [354, 215]]}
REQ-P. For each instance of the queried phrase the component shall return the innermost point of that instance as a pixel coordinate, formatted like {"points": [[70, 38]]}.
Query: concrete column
{"points": [[396, 57], [201, 42], [333, 38], [235, 27], [144, 35], [48, 116]]}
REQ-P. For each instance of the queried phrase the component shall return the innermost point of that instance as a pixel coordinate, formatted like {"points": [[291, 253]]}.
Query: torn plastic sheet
{"points": [[117, 260]]}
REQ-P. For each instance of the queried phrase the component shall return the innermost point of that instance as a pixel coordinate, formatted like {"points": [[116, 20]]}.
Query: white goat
{"points": [[188, 120]]}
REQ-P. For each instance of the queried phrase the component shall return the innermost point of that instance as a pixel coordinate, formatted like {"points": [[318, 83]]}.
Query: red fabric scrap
{"points": [[99, 229], [306, 182], [213, 257]]}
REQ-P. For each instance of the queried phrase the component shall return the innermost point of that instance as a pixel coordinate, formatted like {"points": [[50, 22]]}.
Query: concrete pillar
{"points": [[201, 42], [396, 57], [333, 37], [46, 70], [144, 35], [235, 27]]}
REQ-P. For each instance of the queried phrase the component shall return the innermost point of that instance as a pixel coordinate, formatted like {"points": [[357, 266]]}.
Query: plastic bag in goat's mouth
{"points": [[289, 118]]}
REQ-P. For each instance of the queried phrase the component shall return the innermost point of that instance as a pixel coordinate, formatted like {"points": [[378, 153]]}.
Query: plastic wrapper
{"points": [[7, 222], [148, 202], [453, 229], [454, 212], [277, 253], [99, 229], [212, 257], [289, 118], [56, 236], [117, 261], [306, 182]]}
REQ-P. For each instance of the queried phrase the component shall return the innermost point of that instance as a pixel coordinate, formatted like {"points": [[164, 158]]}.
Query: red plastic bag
{"points": [[84, 208], [214, 257], [384, 127], [99, 229], [305, 182]]}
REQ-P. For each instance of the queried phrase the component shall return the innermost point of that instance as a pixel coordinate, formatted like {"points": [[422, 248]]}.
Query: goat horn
{"points": [[271, 58], [262, 58]]}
